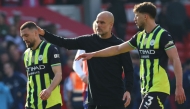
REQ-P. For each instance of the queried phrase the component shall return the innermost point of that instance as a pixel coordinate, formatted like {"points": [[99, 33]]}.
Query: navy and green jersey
{"points": [[39, 63], [153, 59]]}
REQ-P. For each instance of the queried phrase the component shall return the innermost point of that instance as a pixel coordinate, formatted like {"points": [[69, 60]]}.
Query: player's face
{"points": [[102, 25], [139, 20], [28, 36]]}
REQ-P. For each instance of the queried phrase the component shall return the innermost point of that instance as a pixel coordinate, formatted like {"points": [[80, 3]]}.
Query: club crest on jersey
{"points": [[152, 42], [40, 58]]}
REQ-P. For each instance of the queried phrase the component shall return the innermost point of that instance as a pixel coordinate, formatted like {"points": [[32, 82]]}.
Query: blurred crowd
{"points": [[172, 17], [11, 3]]}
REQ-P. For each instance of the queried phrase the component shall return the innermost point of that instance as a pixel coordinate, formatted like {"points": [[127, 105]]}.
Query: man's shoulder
{"points": [[52, 47], [117, 39]]}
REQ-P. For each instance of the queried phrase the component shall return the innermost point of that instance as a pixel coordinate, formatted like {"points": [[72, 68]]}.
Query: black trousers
{"points": [[57, 106], [105, 107]]}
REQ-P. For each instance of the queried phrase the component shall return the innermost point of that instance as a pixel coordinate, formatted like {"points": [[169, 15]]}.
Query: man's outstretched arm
{"points": [[107, 52], [68, 43]]}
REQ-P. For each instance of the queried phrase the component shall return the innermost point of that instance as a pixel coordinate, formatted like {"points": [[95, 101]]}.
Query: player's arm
{"points": [[77, 67], [57, 78], [68, 43], [54, 61], [171, 51], [117, 49], [56, 67], [107, 52], [174, 58], [113, 50]]}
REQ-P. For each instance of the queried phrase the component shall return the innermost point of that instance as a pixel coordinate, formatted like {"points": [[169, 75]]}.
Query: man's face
{"points": [[7, 69], [102, 25], [28, 36], [140, 20]]}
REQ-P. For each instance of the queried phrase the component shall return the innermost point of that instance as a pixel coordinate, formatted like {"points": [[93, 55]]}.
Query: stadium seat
{"points": [[182, 56], [187, 54], [131, 28], [180, 46], [186, 39]]}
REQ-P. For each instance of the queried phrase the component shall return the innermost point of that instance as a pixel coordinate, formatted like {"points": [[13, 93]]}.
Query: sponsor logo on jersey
{"points": [[56, 56], [35, 69], [147, 51]]}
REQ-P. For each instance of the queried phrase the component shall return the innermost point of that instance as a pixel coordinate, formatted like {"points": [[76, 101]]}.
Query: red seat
{"points": [[186, 39], [131, 28], [187, 46], [181, 56], [187, 54], [180, 46]]}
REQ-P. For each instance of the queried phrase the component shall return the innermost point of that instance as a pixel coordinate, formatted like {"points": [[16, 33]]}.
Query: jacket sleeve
{"points": [[128, 71], [68, 43]]}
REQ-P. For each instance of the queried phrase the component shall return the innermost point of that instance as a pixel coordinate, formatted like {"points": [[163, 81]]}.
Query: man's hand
{"points": [[85, 56], [180, 95], [85, 79], [45, 94], [40, 31], [127, 97]]}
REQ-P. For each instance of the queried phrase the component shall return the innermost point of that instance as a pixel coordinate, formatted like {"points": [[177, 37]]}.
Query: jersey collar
{"points": [[39, 46], [155, 28]]}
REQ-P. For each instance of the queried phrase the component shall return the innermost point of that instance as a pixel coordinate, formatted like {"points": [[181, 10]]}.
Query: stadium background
{"points": [[72, 18]]}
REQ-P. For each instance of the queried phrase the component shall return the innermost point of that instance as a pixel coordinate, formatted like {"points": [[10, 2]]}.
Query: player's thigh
{"points": [[153, 100]]}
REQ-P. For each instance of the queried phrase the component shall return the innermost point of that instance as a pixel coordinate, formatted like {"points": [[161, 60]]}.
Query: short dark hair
{"points": [[29, 24], [146, 7]]}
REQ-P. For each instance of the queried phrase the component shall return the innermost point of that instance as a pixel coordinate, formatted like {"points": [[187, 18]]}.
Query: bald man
{"points": [[106, 88]]}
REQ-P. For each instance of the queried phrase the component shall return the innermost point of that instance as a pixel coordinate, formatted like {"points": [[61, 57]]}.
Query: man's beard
{"points": [[101, 34], [30, 45], [141, 27]]}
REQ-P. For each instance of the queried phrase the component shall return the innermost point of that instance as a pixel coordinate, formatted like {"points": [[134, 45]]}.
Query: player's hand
{"points": [[127, 97], [85, 79], [85, 56], [40, 31], [180, 95], [45, 94]]}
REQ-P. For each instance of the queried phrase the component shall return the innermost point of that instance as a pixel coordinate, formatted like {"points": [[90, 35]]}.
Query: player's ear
{"points": [[111, 25], [147, 16], [36, 32]]}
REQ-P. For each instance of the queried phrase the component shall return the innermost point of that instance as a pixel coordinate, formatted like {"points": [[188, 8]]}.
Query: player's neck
{"points": [[150, 26], [36, 44]]}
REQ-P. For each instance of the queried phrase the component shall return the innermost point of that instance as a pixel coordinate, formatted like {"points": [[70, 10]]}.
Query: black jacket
{"points": [[106, 86]]}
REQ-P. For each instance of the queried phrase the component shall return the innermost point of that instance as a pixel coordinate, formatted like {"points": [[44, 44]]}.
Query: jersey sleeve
{"points": [[54, 56], [166, 41], [133, 41]]}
